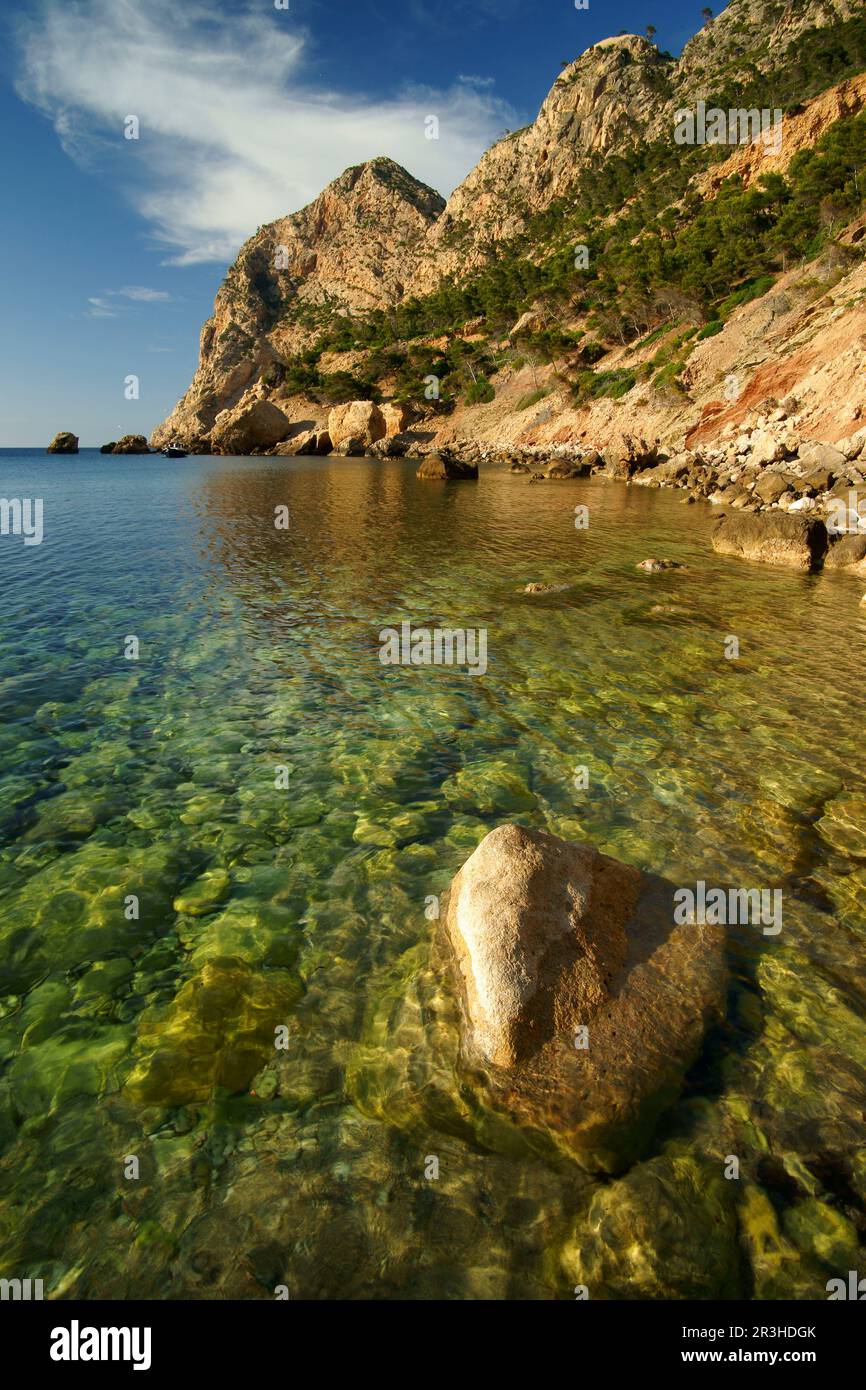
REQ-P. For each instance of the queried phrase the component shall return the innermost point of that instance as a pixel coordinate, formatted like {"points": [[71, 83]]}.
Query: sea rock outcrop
{"points": [[63, 443], [582, 1004], [775, 537], [127, 444]]}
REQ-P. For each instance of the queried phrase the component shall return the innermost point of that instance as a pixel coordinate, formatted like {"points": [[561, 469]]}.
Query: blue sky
{"points": [[112, 249]]}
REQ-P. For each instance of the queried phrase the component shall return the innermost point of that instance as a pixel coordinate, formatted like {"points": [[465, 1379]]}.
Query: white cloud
{"points": [[142, 294], [100, 309], [233, 130]]}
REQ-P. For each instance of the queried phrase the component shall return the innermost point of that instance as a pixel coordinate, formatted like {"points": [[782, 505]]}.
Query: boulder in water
{"points": [[776, 538], [582, 1003], [446, 466]]}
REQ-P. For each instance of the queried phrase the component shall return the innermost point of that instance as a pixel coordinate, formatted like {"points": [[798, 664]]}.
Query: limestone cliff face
{"points": [[601, 102], [352, 247], [376, 235]]}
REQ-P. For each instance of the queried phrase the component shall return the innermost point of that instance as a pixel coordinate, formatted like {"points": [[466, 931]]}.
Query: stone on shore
{"points": [[444, 466], [775, 538], [63, 443], [582, 1004], [846, 551], [397, 416], [355, 426], [259, 425], [304, 442]]}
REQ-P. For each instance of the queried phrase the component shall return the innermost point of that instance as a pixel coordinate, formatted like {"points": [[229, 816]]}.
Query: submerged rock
{"points": [[538, 588], [666, 1230], [218, 1031], [656, 566], [582, 1005], [776, 538]]}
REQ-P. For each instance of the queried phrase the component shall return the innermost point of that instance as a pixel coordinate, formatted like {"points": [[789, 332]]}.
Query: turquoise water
{"points": [[150, 1037]]}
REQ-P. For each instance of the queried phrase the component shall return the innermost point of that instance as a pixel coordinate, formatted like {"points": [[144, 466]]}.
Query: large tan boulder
{"points": [[775, 538], [303, 441], [538, 930], [63, 443], [397, 416], [583, 1002], [360, 422], [257, 425]]}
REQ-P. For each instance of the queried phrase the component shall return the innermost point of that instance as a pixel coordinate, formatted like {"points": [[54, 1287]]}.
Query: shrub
{"points": [[480, 392], [532, 398]]}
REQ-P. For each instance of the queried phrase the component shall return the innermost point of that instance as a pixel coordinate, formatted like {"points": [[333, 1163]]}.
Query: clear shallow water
{"points": [[153, 1038]]}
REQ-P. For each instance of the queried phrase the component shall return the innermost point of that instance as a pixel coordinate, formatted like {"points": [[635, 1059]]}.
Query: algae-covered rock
{"points": [[823, 1233], [843, 825], [219, 1031], [205, 894], [668, 1230], [490, 786]]}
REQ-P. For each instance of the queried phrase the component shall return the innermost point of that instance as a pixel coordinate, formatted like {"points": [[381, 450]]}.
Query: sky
{"points": [[112, 249]]}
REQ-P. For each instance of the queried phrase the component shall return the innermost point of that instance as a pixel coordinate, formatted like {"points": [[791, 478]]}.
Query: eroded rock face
{"points": [[359, 423], [63, 443], [776, 538], [583, 1005]]}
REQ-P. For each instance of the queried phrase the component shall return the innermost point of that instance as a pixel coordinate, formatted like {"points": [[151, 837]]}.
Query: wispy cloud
{"points": [[142, 294], [106, 306], [232, 130]]}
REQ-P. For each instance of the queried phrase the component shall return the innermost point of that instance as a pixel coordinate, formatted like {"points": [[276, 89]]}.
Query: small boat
{"points": [[174, 451]]}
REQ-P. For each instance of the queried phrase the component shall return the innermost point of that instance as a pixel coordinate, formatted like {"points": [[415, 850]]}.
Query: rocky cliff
{"points": [[350, 249], [376, 238]]}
